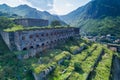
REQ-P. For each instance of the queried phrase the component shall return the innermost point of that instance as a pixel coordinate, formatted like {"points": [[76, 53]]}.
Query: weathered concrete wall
{"points": [[9, 40], [5, 37], [35, 41], [118, 49], [114, 47], [27, 22]]}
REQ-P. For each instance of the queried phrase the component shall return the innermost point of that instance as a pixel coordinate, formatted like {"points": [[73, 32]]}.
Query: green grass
{"points": [[58, 75], [86, 65], [73, 48], [102, 71], [61, 56], [21, 28], [37, 68]]}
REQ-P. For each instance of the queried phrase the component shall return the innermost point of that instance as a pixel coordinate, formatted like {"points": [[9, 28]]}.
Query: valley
{"points": [[81, 45]]}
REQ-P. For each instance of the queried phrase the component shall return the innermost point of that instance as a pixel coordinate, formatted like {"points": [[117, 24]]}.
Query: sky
{"points": [[59, 7]]}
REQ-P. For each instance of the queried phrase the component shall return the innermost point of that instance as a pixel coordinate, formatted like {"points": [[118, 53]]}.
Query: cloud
{"points": [[69, 4], [11, 2], [42, 4], [62, 7]]}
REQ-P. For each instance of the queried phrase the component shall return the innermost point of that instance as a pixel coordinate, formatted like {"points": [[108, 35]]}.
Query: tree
{"points": [[5, 23], [55, 23]]}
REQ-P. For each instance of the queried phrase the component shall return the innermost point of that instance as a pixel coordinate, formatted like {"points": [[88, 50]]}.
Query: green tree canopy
{"points": [[5, 23], [55, 23]]}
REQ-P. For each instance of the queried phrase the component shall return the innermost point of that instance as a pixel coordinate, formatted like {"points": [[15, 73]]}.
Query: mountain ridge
{"points": [[28, 12], [90, 17]]}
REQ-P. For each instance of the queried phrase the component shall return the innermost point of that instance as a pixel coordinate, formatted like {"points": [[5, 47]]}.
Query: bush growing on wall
{"points": [[5, 23], [55, 23]]}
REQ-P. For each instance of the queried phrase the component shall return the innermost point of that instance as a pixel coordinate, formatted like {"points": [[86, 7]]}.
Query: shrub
{"points": [[77, 67], [66, 63]]}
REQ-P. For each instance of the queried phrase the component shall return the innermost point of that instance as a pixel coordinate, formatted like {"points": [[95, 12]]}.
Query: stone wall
{"points": [[27, 22], [115, 72], [9, 40], [80, 49], [42, 75], [118, 49], [5, 37], [114, 47], [35, 41]]}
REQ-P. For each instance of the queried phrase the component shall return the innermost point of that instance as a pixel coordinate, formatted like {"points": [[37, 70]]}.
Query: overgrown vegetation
{"points": [[102, 71], [55, 23], [5, 23], [76, 68]]}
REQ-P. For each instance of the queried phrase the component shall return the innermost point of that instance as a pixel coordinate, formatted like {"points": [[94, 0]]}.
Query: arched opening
{"points": [[37, 35], [55, 40], [51, 34], [23, 37], [37, 45], [43, 44], [47, 34], [55, 33], [34, 39], [47, 42], [31, 36], [51, 41], [42, 35], [24, 48], [31, 47]]}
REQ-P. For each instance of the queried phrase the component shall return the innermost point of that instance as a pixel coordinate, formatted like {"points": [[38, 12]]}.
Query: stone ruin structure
{"points": [[29, 22], [37, 40], [114, 47]]}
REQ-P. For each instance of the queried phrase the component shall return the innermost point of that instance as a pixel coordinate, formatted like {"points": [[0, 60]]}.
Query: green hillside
{"points": [[107, 25], [98, 17]]}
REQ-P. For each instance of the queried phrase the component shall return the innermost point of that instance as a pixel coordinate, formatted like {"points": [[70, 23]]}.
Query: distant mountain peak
{"points": [[24, 6], [4, 6]]}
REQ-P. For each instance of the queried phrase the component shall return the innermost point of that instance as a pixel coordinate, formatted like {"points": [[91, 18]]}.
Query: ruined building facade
{"points": [[29, 22], [35, 41]]}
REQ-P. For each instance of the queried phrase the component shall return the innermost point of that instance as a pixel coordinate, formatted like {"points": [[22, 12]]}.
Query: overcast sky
{"points": [[59, 7]]}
